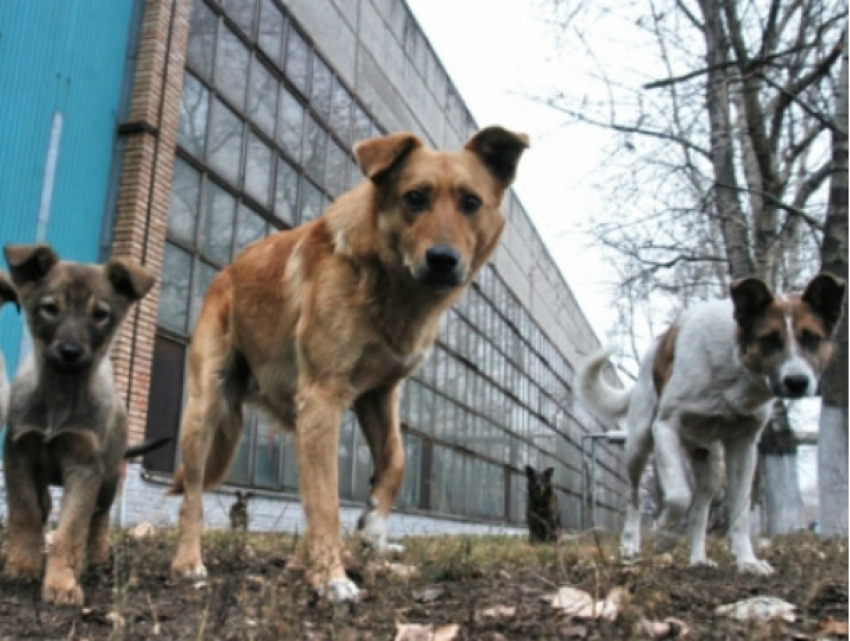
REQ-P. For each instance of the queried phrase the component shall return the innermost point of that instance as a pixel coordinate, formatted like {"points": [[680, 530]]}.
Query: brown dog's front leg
{"points": [[377, 413], [26, 521], [317, 427]]}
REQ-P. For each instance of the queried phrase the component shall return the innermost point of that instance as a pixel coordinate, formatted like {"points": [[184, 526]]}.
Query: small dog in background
{"points": [[239, 512], [7, 295], [542, 514], [67, 424]]}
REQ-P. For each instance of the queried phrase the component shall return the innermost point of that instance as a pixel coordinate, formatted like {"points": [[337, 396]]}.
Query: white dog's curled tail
{"points": [[596, 393]]}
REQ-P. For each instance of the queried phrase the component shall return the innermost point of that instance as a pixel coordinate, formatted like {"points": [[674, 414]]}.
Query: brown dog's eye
{"points": [[416, 200], [49, 310], [470, 204], [810, 341]]}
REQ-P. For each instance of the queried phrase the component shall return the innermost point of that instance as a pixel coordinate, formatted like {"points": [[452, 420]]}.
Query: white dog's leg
{"points": [[740, 467], [706, 465], [671, 461], [638, 448]]}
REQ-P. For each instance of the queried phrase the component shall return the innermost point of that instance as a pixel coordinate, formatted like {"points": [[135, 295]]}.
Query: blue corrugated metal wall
{"points": [[61, 67]]}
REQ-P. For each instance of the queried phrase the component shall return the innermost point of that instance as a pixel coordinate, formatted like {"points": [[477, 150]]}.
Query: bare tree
{"points": [[723, 158]]}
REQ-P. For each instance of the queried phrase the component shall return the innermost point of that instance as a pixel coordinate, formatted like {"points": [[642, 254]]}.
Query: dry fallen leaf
{"points": [[832, 627], [761, 608], [499, 612], [669, 628], [420, 632], [580, 604], [429, 594], [141, 531]]}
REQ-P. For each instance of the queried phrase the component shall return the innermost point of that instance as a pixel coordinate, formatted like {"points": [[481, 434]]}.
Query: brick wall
{"points": [[143, 198]]}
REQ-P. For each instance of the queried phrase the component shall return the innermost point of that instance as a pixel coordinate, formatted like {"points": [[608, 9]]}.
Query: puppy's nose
{"points": [[442, 259], [796, 384], [69, 352]]}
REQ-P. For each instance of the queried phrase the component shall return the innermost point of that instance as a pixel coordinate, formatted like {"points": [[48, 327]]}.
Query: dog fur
{"points": [[542, 513], [7, 295], [67, 424], [334, 314], [704, 393]]}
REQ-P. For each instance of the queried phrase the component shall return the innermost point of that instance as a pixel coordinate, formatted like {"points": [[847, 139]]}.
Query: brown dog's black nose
{"points": [[796, 384], [69, 352], [442, 259]]}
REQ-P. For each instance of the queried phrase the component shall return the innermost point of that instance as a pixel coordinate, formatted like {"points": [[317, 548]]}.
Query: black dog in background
{"points": [[542, 514]]}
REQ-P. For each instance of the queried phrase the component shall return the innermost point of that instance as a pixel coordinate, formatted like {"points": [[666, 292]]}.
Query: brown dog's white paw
{"points": [[339, 591], [61, 587], [23, 569], [188, 569]]}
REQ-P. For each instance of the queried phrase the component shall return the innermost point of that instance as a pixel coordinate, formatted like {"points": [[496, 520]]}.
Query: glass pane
{"points": [[346, 456], [291, 124], [267, 453], [290, 461], [201, 44], [174, 298], [409, 495], [259, 168], [312, 202], [262, 98], [225, 144], [194, 108], [240, 471], [315, 142], [217, 228], [320, 90], [362, 468], [183, 210], [270, 35], [242, 12], [340, 118], [362, 124], [336, 176], [231, 67], [297, 57], [204, 273], [251, 227], [286, 193]]}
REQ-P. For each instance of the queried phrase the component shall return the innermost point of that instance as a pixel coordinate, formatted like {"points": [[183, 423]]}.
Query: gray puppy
{"points": [[67, 424]]}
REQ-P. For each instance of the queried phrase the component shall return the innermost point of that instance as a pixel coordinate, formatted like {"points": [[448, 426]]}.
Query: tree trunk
{"points": [[832, 444]]}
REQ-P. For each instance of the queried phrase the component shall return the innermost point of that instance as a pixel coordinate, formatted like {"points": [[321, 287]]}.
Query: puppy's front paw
{"points": [[755, 566], [339, 590], [61, 587]]}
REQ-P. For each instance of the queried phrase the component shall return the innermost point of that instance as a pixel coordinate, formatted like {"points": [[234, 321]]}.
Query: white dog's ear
{"points": [[750, 296], [499, 150], [825, 295], [377, 156]]}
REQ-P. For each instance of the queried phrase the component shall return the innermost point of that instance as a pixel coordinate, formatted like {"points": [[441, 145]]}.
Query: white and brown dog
{"points": [[705, 390]]}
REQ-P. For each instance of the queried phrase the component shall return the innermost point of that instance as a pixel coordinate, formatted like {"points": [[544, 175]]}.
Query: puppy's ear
{"points": [[547, 474], [129, 279], [377, 156], [529, 471], [29, 263], [825, 294], [8, 294], [499, 150], [750, 296]]}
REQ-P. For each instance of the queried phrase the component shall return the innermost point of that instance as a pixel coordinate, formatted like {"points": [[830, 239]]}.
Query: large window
{"points": [[265, 134]]}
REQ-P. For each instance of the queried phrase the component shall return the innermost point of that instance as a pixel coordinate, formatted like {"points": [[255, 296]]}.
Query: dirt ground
{"points": [[255, 591]]}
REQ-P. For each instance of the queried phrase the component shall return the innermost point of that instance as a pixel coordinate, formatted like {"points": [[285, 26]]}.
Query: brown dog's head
{"points": [[439, 212], [73, 310], [786, 339]]}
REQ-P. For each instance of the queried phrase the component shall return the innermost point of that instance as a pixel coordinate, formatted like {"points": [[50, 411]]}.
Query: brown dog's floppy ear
{"points": [[29, 263], [750, 296], [499, 150], [376, 156], [8, 294], [129, 279], [825, 294]]}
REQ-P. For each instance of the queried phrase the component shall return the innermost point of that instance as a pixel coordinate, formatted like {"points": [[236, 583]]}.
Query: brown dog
{"points": [[67, 425], [541, 512], [338, 312], [239, 512]]}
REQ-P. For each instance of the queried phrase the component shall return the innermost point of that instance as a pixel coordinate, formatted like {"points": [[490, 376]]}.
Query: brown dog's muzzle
{"points": [[68, 357], [441, 269]]}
